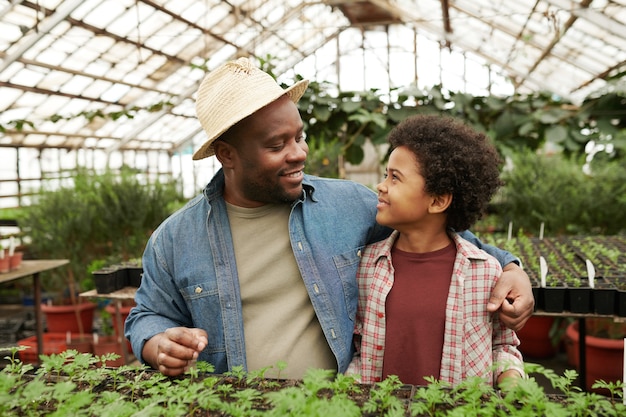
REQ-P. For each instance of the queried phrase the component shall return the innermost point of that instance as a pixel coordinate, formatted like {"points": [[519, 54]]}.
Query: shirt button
{"points": [[300, 245], [198, 290], [379, 347], [381, 315], [358, 253]]}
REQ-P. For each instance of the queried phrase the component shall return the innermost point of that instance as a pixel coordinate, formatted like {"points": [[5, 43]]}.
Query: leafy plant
{"points": [[94, 217], [554, 190], [344, 120], [81, 387]]}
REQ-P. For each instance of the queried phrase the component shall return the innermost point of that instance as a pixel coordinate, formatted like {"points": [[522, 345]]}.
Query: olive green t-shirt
{"points": [[278, 317]]}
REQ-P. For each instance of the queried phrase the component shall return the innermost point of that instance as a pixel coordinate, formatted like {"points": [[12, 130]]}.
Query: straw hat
{"points": [[233, 92]]}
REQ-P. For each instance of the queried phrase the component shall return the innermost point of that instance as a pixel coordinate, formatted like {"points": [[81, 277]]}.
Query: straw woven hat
{"points": [[233, 92]]}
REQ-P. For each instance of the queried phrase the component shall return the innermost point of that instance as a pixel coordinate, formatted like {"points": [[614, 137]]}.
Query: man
{"points": [[261, 267]]}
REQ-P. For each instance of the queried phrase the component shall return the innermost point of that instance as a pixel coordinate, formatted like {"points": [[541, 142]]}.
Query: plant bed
{"points": [[568, 287], [76, 384]]}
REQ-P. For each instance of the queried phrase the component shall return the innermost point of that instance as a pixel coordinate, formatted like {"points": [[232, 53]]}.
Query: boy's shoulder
{"points": [[380, 248], [473, 253]]}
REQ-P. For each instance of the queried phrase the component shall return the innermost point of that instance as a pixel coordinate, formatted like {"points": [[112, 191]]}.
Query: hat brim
{"points": [[294, 93]]}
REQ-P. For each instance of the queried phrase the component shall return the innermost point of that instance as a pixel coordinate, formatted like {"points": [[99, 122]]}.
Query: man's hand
{"points": [[513, 297], [175, 350]]}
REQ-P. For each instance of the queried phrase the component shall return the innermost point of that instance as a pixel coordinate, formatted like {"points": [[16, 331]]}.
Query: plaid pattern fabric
{"points": [[474, 340]]}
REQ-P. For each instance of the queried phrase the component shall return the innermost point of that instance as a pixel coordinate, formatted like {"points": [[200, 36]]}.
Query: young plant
{"points": [[16, 366], [428, 399], [382, 401]]}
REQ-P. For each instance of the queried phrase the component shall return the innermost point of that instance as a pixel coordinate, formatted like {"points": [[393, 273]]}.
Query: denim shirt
{"points": [[190, 276]]}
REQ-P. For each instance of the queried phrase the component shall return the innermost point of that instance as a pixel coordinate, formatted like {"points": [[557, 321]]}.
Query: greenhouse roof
{"points": [[71, 70]]}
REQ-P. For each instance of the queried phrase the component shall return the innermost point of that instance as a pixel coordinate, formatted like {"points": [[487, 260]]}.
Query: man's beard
{"points": [[269, 193]]}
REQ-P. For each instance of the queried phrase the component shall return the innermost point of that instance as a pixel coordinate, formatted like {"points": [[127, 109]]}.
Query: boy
{"points": [[423, 291]]}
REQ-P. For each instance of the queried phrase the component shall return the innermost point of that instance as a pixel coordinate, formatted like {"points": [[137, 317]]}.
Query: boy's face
{"points": [[402, 201]]}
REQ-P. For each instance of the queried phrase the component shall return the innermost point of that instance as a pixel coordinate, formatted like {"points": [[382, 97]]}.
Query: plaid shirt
{"points": [[474, 339]]}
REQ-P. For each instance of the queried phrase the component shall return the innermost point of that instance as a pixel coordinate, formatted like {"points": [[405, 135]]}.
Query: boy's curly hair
{"points": [[453, 159]]}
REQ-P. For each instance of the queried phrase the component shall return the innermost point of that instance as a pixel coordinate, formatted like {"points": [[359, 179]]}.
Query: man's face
{"points": [[268, 157]]}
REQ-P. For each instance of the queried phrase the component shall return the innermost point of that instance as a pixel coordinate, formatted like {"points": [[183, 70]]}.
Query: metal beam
{"points": [[602, 21], [176, 100], [40, 64], [557, 38], [60, 14]]}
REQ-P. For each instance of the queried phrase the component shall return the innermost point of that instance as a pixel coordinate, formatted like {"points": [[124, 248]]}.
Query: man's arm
{"points": [[513, 297]]}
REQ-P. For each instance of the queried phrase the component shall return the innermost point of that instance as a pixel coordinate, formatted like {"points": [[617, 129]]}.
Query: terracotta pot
{"points": [[62, 318], [604, 357], [535, 338], [4, 265], [15, 260]]}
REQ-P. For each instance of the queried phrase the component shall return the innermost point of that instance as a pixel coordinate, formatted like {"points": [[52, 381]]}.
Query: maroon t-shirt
{"points": [[416, 314]]}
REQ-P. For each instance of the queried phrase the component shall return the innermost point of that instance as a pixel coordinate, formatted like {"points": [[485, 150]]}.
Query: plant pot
{"points": [[109, 344], [604, 357], [604, 297], [535, 338], [4, 265], [105, 280], [580, 299], [554, 299], [15, 260], [621, 303], [135, 273], [63, 318], [52, 343], [620, 296]]}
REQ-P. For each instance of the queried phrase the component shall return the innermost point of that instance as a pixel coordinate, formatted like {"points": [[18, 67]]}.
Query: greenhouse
{"points": [[161, 162]]}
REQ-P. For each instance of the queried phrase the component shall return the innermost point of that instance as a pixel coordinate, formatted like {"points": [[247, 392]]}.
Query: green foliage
{"points": [[93, 217], [83, 387], [90, 115], [10, 213], [338, 123], [555, 191], [324, 158], [344, 120]]}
